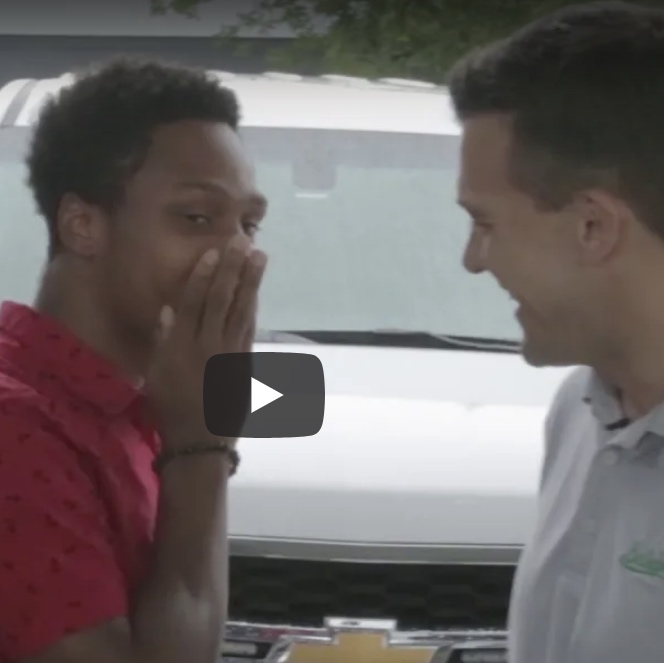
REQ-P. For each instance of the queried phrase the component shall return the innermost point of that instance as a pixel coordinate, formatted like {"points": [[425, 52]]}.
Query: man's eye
{"points": [[198, 219], [250, 228], [481, 224]]}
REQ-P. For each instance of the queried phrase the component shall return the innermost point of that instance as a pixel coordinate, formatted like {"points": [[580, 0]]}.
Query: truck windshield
{"points": [[363, 233]]}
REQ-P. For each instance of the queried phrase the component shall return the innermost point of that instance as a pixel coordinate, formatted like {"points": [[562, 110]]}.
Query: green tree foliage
{"points": [[398, 38]]}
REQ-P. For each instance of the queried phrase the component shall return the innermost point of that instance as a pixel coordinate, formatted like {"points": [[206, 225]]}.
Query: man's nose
{"points": [[474, 257]]}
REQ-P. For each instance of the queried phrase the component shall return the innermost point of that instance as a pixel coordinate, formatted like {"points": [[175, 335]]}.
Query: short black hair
{"points": [[584, 89], [91, 137]]}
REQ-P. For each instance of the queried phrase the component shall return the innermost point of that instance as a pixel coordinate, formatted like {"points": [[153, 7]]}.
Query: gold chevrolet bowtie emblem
{"points": [[351, 641], [359, 648]]}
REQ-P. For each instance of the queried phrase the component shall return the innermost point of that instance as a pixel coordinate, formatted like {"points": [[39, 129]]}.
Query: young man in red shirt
{"points": [[112, 491]]}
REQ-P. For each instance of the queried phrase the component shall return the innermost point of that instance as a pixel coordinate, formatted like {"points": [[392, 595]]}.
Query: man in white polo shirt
{"points": [[563, 177]]}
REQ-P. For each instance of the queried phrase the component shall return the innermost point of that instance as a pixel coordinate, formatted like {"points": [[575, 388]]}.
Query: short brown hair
{"points": [[584, 88]]}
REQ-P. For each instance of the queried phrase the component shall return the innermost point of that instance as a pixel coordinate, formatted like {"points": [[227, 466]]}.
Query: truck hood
{"points": [[424, 455]]}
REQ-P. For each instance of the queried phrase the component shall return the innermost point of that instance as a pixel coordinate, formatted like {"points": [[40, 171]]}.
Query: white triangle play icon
{"points": [[262, 395]]}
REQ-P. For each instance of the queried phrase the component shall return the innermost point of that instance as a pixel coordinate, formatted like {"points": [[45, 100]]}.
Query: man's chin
{"points": [[541, 355]]}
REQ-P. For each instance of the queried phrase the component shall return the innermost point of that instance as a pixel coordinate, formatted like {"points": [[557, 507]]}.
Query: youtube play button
{"points": [[264, 394]]}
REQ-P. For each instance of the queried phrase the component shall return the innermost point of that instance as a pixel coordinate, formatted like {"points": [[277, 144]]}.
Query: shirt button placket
{"points": [[592, 504]]}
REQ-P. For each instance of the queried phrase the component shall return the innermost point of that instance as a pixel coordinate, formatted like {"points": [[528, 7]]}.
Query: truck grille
{"points": [[418, 596]]}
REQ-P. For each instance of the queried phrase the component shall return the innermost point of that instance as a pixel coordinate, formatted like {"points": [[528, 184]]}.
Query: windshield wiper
{"points": [[460, 342], [400, 338], [276, 336]]}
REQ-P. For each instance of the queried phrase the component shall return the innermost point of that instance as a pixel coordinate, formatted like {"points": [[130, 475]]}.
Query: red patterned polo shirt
{"points": [[78, 496]]}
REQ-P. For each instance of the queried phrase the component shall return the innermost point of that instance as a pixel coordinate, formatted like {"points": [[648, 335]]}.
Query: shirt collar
{"points": [[605, 405], [50, 352]]}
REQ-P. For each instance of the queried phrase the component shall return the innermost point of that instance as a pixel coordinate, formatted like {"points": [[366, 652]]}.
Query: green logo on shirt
{"points": [[646, 561]]}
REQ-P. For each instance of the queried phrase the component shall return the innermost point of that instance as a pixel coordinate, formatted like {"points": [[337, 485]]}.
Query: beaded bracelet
{"points": [[166, 457]]}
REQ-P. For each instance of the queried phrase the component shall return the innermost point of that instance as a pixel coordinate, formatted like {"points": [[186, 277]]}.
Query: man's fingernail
{"points": [[167, 317], [211, 257], [258, 258]]}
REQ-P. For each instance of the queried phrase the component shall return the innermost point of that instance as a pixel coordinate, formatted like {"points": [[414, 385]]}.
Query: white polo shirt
{"points": [[590, 583]]}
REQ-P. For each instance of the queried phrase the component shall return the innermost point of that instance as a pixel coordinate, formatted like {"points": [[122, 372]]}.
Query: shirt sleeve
{"points": [[58, 569]]}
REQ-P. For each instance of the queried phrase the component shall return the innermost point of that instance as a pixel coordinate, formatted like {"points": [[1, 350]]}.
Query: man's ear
{"points": [[81, 227], [601, 224]]}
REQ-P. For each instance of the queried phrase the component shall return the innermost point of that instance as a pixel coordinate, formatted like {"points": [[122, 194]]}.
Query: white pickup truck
{"points": [[411, 504]]}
